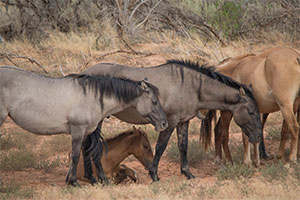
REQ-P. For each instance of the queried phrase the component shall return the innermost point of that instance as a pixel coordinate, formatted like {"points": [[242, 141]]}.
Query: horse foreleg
{"points": [[160, 147], [247, 156], [256, 155], [224, 128], [262, 150], [77, 134], [218, 143], [182, 137]]}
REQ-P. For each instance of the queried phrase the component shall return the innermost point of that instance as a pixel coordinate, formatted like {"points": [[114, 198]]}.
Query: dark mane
{"points": [[209, 71], [125, 134], [125, 90]]}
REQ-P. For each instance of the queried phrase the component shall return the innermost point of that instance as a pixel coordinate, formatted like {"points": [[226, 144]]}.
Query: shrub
{"points": [[235, 171]]}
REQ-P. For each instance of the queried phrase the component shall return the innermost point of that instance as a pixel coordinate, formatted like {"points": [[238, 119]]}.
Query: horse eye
{"points": [[145, 146]]}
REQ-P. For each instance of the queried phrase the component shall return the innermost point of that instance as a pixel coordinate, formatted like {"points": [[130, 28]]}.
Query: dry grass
{"points": [[74, 53]]}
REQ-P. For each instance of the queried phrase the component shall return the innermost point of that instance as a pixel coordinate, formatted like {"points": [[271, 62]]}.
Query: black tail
{"points": [[206, 127], [93, 144]]}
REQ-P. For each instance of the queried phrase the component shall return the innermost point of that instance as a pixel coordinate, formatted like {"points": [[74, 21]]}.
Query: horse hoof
{"points": [[188, 174], [264, 156], [74, 184], [154, 177], [92, 180]]}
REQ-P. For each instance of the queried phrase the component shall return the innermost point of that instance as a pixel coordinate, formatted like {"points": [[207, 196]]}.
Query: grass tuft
{"points": [[235, 171], [195, 155]]}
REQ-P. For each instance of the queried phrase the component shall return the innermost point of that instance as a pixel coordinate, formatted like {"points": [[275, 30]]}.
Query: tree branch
{"points": [[10, 56]]}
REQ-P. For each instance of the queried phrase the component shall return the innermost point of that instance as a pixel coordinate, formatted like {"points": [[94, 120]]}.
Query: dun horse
{"points": [[74, 104], [275, 78], [185, 88], [132, 142]]}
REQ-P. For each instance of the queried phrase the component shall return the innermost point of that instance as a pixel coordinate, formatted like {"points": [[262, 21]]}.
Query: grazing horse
{"points": [[185, 88], [131, 142], [275, 78], [73, 104]]}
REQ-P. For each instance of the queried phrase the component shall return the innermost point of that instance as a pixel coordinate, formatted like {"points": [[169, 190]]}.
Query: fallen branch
{"points": [[10, 56], [100, 57]]}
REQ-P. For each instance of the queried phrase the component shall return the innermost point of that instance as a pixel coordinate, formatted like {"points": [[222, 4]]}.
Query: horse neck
{"points": [[119, 148], [112, 105], [228, 66], [215, 95]]}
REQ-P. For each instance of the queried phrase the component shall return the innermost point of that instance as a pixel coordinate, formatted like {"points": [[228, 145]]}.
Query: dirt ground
{"points": [[168, 170], [204, 172]]}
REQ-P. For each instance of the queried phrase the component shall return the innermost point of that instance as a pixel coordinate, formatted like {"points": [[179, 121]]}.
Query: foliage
{"points": [[274, 134], [13, 190], [195, 154], [235, 171], [274, 171], [132, 19], [22, 159]]}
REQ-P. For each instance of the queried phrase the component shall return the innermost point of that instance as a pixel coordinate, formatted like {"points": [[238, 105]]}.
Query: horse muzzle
{"points": [[161, 126], [255, 139]]}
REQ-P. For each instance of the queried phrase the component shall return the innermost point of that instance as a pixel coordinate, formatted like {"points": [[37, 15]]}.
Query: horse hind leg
{"points": [[293, 126]]}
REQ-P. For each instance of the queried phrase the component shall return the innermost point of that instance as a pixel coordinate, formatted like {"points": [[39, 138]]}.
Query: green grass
{"points": [[274, 134], [195, 155], [17, 139], [23, 159], [235, 171], [59, 143], [274, 171], [14, 190]]}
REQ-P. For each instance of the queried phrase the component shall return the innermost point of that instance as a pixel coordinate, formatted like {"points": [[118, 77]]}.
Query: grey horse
{"points": [[185, 88], [73, 104]]}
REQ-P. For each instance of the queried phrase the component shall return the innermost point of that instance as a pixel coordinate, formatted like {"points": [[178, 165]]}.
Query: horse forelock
{"points": [[124, 89], [210, 72]]}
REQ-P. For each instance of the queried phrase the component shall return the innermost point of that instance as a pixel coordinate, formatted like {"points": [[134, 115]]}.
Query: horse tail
{"points": [[206, 127], [93, 144]]}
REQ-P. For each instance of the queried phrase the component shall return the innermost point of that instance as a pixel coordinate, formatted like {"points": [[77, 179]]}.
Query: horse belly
{"points": [[40, 124]]}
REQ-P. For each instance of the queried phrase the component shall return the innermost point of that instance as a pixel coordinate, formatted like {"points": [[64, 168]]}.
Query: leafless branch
{"points": [[10, 56], [146, 18]]}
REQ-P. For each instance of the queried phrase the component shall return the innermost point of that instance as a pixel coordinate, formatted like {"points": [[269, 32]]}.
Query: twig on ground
{"points": [[10, 56]]}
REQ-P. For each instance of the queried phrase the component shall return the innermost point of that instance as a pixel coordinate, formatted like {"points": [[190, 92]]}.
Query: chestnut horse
{"points": [[131, 142], [275, 78]]}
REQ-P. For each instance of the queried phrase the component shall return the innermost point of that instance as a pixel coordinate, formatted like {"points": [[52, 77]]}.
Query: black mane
{"points": [[209, 71], [125, 90]]}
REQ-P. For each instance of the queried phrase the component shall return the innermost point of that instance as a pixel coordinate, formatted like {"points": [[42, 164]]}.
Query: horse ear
{"points": [[144, 85], [242, 92], [135, 131]]}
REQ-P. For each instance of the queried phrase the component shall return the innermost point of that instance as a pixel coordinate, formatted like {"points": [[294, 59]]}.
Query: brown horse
{"points": [[275, 77], [132, 142]]}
